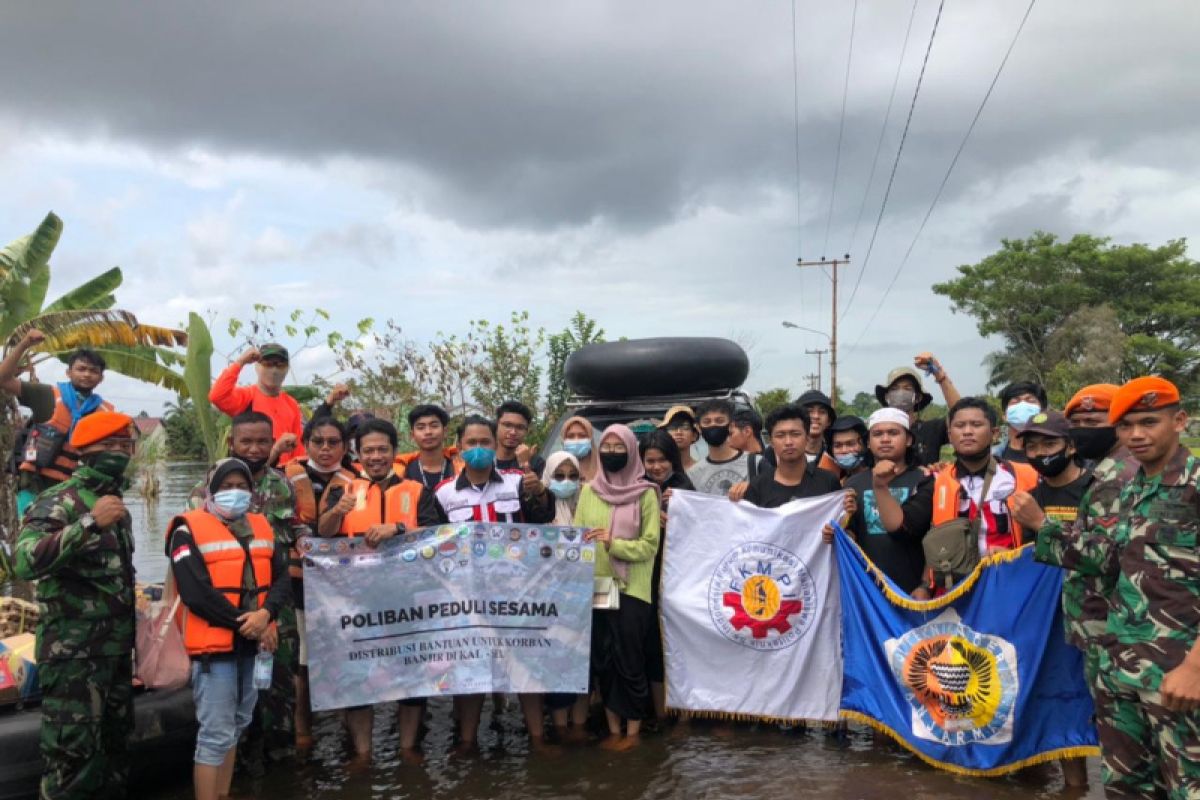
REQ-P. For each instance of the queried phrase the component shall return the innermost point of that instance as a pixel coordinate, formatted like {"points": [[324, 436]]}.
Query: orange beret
{"points": [[1097, 397], [100, 425], [1142, 394]]}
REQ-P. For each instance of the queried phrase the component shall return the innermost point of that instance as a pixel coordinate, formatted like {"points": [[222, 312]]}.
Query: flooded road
{"points": [[747, 761]]}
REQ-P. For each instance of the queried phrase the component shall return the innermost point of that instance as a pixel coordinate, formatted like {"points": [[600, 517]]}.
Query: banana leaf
{"points": [[96, 293], [68, 330], [197, 376], [24, 273], [143, 364], [302, 394]]}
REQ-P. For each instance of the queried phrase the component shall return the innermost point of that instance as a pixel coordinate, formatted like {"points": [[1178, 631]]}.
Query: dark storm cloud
{"points": [[543, 115]]}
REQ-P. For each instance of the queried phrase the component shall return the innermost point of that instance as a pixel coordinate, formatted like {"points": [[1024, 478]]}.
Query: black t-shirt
{"points": [[1013, 456], [899, 553], [929, 436], [430, 479], [1061, 503], [765, 492]]}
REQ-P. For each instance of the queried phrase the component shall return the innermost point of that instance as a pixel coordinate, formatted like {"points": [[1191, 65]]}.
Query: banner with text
{"points": [[457, 609]]}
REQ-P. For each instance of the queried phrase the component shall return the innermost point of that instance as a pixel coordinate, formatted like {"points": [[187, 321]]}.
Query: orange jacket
{"points": [[68, 457], [946, 498], [449, 453], [306, 505], [284, 411], [398, 503], [225, 558]]}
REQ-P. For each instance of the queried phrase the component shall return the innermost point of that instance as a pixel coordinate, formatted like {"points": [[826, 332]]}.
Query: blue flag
{"points": [[980, 681]]}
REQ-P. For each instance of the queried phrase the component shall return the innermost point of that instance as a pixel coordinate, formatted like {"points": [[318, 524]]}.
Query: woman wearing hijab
{"points": [[620, 509], [578, 439], [232, 583], [561, 477]]}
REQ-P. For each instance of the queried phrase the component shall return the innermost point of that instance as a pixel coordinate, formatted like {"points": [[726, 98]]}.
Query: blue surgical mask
{"points": [[479, 457], [580, 448], [231, 503], [1022, 412], [849, 460], [564, 490]]}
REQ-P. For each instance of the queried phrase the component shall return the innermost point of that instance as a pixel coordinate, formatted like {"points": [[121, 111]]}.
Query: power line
{"points": [[837, 159], [895, 164], [946, 178], [883, 128], [796, 113]]}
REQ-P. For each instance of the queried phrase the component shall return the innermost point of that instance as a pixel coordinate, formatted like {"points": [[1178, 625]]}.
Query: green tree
{"points": [[1033, 293], [770, 399], [863, 405], [581, 330]]}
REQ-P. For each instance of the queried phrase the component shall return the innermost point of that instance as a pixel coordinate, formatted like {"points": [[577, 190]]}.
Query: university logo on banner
{"points": [[980, 681], [750, 609], [457, 609]]}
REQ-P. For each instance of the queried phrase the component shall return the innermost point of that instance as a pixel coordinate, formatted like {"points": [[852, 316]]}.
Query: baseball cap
{"points": [[273, 350], [1048, 423], [675, 411]]}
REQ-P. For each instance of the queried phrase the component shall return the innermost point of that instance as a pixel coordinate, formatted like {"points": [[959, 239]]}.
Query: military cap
{"points": [[1142, 394], [1097, 397], [100, 425]]}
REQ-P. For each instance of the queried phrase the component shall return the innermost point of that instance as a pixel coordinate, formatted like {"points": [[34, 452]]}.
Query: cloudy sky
{"points": [[441, 162]]}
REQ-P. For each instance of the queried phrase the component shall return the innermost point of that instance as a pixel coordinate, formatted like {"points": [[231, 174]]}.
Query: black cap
{"points": [[814, 397]]}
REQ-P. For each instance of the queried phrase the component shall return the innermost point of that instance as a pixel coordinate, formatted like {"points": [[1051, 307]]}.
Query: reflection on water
{"points": [[150, 518], [752, 761]]}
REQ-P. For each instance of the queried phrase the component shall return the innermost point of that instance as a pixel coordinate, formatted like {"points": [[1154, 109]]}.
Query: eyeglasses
{"points": [[318, 442]]}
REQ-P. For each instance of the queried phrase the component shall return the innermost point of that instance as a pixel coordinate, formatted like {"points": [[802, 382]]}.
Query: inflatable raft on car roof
{"points": [[671, 365]]}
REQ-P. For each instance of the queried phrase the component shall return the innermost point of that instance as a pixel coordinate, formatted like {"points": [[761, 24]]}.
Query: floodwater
{"points": [[702, 761]]}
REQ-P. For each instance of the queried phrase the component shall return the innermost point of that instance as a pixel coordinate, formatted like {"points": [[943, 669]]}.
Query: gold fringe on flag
{"points": [[995, 772]]}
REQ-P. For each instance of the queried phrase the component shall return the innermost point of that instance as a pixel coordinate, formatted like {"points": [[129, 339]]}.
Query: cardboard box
{"points": [[18, 669]]}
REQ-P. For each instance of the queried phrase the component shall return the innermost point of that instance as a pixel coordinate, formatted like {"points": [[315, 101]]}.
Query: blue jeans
{"points": [[222, 718]]}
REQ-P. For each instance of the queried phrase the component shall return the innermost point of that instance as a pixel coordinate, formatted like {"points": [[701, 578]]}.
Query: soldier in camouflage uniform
{"points": [[271, 737], [1148, 686], [77, 542]]}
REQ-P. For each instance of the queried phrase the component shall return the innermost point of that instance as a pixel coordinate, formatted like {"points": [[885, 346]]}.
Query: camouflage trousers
{"points": [[87, 716], [271, 737], [1146, 750]]}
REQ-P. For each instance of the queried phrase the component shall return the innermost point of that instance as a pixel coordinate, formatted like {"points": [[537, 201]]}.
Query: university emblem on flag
{"points": [[960, 683], [762, 597]]}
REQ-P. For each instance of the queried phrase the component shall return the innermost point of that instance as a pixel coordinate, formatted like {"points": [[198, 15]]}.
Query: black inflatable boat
{"points": [[160, 750], [667, 366]]}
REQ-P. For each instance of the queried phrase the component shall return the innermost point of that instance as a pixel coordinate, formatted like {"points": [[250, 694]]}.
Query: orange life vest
{"points": [[306, 505], [225, 558], [946, 497], [68, 457], [450, 454], [397, 504]]}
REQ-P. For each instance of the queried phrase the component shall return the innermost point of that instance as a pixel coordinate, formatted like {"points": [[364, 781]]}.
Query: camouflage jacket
{"points": [[1085, 597], [85, 579], [274, 499], [1154, 612]]}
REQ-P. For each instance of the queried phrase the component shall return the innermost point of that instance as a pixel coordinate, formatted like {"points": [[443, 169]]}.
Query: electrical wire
{"points": [[887, 115], [946, 178], [796, 113], [837, 159], [896, 164]]}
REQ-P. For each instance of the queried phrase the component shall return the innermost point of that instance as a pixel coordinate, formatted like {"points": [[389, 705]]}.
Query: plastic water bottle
{"points": [[264, 666]]}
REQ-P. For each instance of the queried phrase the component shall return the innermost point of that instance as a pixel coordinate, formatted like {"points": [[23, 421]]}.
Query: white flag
{"points": [[750, 608]]}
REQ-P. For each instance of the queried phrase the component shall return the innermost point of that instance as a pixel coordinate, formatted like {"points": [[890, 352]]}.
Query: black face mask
{"points": [[614, 462], [715, 435], [1094, 443], [255, 465], [1052, 465]]}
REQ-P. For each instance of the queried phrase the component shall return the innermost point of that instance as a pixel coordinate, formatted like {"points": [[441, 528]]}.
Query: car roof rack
{"points": [[688, 398]]}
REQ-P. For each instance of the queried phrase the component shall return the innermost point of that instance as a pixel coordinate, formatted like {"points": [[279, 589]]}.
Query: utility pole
{"points": [[818, 354], [834, 264], [814, 381]]}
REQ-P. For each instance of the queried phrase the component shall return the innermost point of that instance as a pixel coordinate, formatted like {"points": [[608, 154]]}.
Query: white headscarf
{"points": [[564, 510]]}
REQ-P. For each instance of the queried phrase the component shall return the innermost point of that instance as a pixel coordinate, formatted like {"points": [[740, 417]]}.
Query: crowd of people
{"points": [[1103, 488]]}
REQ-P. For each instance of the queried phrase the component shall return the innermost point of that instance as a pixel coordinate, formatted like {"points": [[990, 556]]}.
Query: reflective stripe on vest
{"points": [[225, 558]]}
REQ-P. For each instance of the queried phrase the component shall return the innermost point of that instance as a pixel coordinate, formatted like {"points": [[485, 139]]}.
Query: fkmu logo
{"points": [[762, 597]]}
